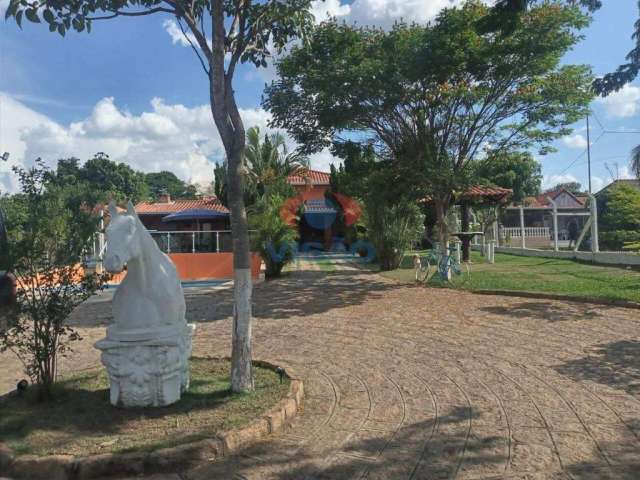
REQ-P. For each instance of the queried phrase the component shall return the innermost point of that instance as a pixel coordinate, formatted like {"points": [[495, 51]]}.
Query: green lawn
{"points": [[81, 421], [532, 274]]}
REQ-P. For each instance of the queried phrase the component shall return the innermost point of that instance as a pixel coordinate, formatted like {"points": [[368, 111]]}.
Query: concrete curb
{"points": [[557, 296], [165, 460]]}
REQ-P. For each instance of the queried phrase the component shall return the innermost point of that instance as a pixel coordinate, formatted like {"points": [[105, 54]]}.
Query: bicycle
{"points": [[427, 266]]}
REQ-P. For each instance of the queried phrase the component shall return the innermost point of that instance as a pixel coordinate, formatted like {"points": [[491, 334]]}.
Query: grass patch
{"points": [[81, 421], [536, 274]]}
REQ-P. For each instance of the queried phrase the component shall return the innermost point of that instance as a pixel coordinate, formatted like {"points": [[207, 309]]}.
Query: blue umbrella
{"points": [[194, 214]]}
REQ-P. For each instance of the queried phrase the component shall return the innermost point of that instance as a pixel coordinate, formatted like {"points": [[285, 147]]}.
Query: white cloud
{"points": [[381, 13], [322, 10], [177, 138], [622, 104], [575, 141], [177, 37], [597, 183], [550, 181]]}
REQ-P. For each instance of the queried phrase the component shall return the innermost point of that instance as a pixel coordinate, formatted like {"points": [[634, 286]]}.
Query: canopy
{"points": [[194, 214]]}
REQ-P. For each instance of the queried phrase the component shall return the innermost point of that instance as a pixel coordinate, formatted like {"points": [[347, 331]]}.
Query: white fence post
{"points": [[523, 242], [217, 242], [193, 242], [168, 242], [555, 223], [458, 255], [595, 243]]}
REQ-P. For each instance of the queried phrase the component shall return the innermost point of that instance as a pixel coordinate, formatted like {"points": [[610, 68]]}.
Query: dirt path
{"points": [[411, 383]]}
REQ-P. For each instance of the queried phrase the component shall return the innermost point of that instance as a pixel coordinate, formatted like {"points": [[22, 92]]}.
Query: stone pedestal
{"points": [[147, 367]]}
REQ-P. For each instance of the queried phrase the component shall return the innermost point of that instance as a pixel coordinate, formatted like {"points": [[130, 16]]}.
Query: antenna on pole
{"points": [[589, 153]]}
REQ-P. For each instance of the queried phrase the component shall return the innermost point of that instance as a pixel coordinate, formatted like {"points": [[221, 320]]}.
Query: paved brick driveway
{"points": [[411, 383]]}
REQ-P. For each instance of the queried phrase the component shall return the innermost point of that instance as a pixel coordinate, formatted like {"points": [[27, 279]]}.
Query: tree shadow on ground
{"points": [[623, 454], [85, 413], [301, 293], [616, 365], [551, 312], [426, 449]]}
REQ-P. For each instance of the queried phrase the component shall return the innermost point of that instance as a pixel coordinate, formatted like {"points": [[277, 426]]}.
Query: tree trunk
{"points": [[241, 372], [466, 240], [442, 207], [229, 123]]}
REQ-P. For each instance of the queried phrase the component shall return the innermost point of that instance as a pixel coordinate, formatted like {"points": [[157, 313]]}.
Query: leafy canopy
{"points": [[518, 171], [433, 97], [50, 230]]}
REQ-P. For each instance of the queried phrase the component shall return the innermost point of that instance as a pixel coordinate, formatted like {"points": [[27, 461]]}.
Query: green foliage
{"points": [[220, 188], [573, 187], [518, 171], [619, 217], [393, 222], [621, 208], [101, 178], [268, 163], [50, 230], [271, 236], [160, 182], [430, 98], [267, 26]]}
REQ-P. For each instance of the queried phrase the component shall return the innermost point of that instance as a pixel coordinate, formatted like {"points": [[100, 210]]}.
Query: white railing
{"points": [[193, 241], [529, 232]]}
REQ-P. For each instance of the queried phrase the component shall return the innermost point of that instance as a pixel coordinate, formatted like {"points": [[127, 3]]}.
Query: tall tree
{"points": [[635, 161], [102, 178], [222, 33], [160, 182], [505, 17], [433, 98], [518, 171]]}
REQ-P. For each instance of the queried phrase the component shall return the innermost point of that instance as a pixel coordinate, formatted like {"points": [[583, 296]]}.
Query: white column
{"points": [[168, 242], [193, 242], [595, 243], [458, 253], [217, 242], [555, 223], [522, 230]]}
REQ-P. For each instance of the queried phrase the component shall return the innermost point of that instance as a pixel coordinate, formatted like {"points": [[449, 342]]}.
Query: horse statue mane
{"points": [[150, 297]]}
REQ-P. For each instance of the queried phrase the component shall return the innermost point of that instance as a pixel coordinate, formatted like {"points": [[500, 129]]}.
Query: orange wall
{"points": [[312, 193], [204, 266]]}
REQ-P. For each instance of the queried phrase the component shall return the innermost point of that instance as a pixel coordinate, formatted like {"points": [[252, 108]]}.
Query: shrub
{"points": [[392, 228], [271, 236], [50, 230]]}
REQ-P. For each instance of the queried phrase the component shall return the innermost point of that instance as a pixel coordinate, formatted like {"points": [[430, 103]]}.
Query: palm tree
{"points": [[635, 161], [268, 162]]}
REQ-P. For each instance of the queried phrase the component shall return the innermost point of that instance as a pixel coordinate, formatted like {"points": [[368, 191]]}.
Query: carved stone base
{"points": [[147, 368]]}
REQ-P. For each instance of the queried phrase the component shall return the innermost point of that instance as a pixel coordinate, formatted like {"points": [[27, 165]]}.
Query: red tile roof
{"points": [[487, 192], [303, 176], [204, 203], [541, 201]]}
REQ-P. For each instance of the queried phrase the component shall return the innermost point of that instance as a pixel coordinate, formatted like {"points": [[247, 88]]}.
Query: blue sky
{"points": [[133, 90]]}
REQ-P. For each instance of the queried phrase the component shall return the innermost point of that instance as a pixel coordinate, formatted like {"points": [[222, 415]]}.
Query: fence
{"points": [[604, 258], [198, 241], [516, 232]]}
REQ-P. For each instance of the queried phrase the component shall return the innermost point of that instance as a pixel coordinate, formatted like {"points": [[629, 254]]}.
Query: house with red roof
{"points": [[573, 212]]}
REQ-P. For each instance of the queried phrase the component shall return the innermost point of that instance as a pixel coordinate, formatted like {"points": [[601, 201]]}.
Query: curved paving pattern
{"points": [[404, 382]]}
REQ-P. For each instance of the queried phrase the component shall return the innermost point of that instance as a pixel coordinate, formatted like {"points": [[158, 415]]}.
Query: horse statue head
{"points": [[123, 242]]}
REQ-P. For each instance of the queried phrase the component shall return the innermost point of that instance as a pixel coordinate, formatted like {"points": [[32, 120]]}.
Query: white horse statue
{"points": [[151, 293], [147, 349]]}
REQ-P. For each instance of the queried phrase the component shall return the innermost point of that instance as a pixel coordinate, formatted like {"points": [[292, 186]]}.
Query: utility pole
{"points": [[589, 153]]}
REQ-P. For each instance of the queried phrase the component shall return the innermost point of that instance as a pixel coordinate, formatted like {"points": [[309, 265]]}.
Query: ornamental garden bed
{"points": [[90, 437]]}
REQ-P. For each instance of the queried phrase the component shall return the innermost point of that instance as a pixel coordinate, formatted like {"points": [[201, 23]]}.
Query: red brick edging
{"points": [[70, 467]]}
